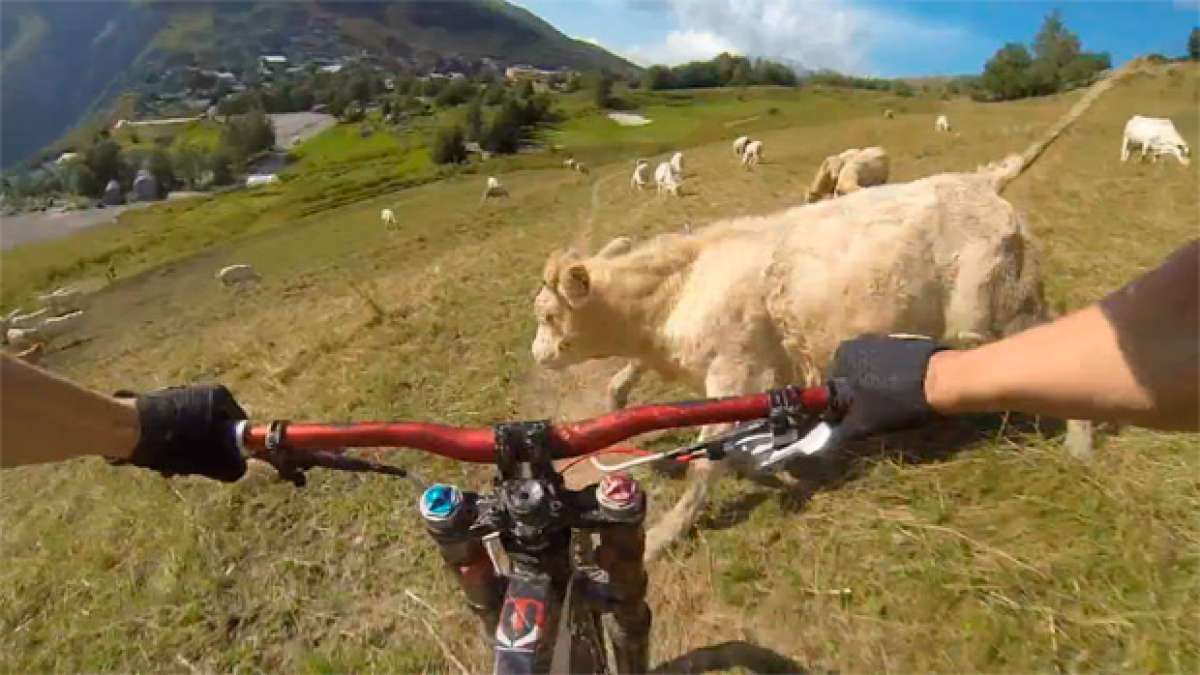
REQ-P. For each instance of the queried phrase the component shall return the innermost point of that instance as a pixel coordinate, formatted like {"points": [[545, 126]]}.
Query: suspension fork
{"points": [[622, 546], [449, 514]]}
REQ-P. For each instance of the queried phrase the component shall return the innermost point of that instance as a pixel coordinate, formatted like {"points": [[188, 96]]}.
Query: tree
{"points": [[504, 135], [159, 165], [104, 160], [474, 119], [657, 77], [603, 90], [221, 166], [1006, 75], [1194, 45], [448, 147], [1055, 47], [457, 92], [188, 165]]}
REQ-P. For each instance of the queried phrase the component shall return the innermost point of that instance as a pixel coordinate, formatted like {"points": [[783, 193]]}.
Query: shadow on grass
{"points": [[933, 443], [730, 655]]}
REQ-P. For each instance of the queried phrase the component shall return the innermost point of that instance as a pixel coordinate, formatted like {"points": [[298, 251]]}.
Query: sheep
{"points": [[639, 179], [666, 179], [739, 145], [388, 218], [677, 165], [237, 274], [494, 189], [29, 320], [942, 123], [889, 114], [580, 167], [569, 163], [752, 155]]}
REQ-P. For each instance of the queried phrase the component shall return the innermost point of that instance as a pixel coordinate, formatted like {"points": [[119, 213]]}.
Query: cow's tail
{"points": [[1008, 169]]}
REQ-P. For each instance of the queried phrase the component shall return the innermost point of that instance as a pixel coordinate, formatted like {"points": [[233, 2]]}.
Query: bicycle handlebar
{"points": [[570, 439]]}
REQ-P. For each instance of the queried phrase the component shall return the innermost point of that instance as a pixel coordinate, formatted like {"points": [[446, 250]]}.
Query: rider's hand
{"points": [[186, 430], [886, 375]]}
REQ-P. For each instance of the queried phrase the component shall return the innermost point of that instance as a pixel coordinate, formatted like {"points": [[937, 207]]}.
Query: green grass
{"points": [[1008, 556]]}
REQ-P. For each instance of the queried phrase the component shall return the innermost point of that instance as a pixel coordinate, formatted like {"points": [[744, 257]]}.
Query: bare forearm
{"points": [[44, 418], [1134, 357]]}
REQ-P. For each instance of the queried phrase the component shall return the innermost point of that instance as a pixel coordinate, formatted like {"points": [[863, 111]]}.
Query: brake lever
{"points": [[763, 454]]}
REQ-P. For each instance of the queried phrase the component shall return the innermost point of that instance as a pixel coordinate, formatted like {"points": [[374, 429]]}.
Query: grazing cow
{"points": [[677, 164], [848, 172], [62, 300], [755, 302], [388, 218], [1155, 136], [739, 145], [237, 274], [889, 115], [752, 154], [666, 179], [493, 189], [641, 175], [942, 123]]}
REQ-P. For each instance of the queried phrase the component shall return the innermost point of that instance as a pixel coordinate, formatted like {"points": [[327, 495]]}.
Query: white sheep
{"points": [[942, 123], [666, 179], [494, 189], [752, 155], [640, 177], [677, 165], [580, 167], [569, 163], [388, 218], [237, 274], [739, 145], [28, 320]]}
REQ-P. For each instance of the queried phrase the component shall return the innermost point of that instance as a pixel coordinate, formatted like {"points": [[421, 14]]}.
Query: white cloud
{"points": [[810, 33]]}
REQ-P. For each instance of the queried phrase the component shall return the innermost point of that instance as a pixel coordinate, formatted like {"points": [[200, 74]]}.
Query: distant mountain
{"points": [[60, 61]]}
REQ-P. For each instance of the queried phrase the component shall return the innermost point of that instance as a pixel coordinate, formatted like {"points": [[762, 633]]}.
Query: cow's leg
{"points": [[725, 378], [622, 383]]}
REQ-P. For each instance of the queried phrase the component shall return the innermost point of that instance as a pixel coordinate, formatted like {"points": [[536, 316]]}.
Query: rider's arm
{"points": [[1133, 357], [180, 430], [44, 418]]}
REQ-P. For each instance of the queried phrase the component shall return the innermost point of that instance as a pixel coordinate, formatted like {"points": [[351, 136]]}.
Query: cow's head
{"points": [[571, 324]]}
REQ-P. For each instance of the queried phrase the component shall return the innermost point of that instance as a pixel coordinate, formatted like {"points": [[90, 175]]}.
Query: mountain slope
{"points": [[60, 60]]}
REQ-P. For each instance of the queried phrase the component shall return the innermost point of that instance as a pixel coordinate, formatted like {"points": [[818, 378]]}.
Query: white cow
{"points": [[739, 145], [666, 179], [677, 165], [641, 175], [237, 274], [942, 123], [493, 189], [47, 330], [1156, 136], [62, 300], [29, 320], [752, 155], [388, 218]]}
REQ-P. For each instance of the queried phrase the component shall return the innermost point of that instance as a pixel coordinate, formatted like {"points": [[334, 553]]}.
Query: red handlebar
{"points": [[569, 440]]}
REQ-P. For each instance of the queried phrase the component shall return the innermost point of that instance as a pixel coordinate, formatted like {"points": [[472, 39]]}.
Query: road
{"points": [[24, 228]]}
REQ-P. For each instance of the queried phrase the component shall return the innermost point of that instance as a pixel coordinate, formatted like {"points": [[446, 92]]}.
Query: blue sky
{"points": [[869, 37]]}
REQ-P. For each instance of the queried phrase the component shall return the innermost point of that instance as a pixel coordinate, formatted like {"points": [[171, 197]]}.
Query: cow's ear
{"points": [[616, 247], [575, 284]]}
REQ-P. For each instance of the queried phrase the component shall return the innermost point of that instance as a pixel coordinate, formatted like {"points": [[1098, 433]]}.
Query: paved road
{"points": [[290, 129]]}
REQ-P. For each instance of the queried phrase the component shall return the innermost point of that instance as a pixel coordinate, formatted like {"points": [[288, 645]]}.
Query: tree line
{"points": [[726, 70]]}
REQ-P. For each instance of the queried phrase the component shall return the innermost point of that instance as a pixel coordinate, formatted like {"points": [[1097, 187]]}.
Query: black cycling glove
{"points": [[187, 430], [886, 375]]}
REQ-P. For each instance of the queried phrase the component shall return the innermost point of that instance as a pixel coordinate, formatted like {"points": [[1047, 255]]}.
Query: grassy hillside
{"points": [[1004, 556]]}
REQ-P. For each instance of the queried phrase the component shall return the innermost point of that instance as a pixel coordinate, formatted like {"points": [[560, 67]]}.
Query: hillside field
{"points": [[1007, 555]]}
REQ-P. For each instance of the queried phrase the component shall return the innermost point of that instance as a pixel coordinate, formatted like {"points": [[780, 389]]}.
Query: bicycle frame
{"points": [[523, 555]]}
